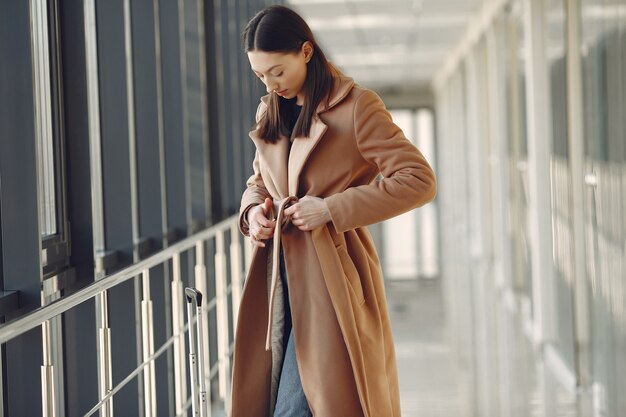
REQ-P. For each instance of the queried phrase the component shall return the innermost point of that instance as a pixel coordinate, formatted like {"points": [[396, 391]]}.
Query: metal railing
{"points": [[226, 263]]}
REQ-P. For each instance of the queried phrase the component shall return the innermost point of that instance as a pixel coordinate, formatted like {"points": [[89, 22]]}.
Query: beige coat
{"points": [[343, 337]]}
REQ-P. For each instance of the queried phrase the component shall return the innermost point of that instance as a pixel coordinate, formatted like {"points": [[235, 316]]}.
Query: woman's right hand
{"points": [[260, 227]]}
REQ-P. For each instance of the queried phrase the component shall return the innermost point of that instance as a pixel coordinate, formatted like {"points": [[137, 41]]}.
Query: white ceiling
{"points": [[388, 45]]}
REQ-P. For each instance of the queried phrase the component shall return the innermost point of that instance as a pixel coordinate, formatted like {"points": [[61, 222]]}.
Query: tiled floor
{"points": [[430, 386]]}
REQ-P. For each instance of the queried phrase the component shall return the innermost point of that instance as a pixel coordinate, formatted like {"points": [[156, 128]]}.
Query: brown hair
{"points": [[280, 29]]}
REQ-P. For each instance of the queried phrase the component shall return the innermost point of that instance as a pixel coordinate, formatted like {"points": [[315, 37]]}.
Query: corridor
{"points": [[431, 385], [435, 383]]}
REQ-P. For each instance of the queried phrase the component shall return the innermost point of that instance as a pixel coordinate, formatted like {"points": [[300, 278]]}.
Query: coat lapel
{"points": [[275, 156], [300, 152]]}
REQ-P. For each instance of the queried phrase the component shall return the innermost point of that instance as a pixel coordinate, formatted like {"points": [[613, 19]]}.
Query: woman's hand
{"points": [[308, 213], [260, 227]]}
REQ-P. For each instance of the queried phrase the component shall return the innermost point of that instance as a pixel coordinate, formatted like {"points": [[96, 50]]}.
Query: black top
{"points": [[293, 112]]}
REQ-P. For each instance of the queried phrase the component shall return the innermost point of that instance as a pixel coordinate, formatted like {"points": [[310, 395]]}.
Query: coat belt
{"points": [[282, 222]]}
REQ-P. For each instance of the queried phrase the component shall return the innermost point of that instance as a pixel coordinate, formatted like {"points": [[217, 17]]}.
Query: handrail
{"points": [[39, 316], [136, 372], [169, 342]]}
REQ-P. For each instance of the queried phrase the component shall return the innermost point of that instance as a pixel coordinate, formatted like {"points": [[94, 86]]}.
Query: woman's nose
{"points": [[270, 87]]}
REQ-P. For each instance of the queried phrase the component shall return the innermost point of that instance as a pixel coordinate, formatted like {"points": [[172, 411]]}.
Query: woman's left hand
{"points": [[309, 213]]}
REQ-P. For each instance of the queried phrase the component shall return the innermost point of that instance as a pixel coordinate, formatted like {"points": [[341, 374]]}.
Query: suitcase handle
{"points": [[199, 401], [192, 294]]}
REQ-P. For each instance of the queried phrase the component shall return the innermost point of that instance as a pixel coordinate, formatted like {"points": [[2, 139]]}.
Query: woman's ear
{"points": [[307, 51]]}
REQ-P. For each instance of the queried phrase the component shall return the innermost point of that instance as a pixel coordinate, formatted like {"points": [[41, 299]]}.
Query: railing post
{"points": [[47, 375], [39, 33], [52, 364], [97, 203], [178, 324], [147, 334], [223, 344], [105, 376]]}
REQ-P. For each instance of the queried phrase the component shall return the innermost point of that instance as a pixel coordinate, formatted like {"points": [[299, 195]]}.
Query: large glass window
{"points": [[560, 178], [603, 54], [517, 146], [49, 134], [45, 140], [603, 50]]}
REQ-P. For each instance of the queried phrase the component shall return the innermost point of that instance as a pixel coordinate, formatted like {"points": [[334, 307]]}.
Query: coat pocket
{"points": [[351, 274]]}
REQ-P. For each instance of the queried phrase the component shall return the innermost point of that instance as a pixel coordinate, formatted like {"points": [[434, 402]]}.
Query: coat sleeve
{"points": [[255, 192], [408, 180]]}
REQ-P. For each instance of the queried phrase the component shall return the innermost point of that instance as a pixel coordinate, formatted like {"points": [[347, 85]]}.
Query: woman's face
{"points": [[283, 73]]}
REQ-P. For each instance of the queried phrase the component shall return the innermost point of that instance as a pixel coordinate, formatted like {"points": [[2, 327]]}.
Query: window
{"points": [[49, 136]]}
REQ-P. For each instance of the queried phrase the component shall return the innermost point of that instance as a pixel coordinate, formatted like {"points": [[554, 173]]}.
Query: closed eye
{"points": [[273, 75]]}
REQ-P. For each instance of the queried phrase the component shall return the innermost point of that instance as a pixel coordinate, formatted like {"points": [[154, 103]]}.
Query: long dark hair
{"points": [[280, 29]]}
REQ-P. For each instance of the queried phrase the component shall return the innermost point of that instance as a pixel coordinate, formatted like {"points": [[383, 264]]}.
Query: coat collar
{"points": [[340, 89], [285, 173]]}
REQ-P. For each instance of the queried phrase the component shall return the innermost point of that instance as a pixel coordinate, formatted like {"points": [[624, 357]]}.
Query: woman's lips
{"points": [[282, 93]]}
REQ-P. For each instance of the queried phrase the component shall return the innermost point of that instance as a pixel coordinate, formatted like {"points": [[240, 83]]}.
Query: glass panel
{"points": [[517, 147], [562, 236], [194, 108], [603, 63], [400, 233], [43, 122]]}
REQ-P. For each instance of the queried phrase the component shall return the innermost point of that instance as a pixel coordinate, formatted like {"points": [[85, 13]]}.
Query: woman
{"points": [[313, 334]]}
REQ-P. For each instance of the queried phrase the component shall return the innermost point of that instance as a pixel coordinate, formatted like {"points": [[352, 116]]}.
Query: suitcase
{"points": [[196, 363]]}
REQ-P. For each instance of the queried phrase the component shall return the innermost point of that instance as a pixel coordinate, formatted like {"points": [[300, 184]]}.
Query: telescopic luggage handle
{"points": [[196, 351], [193, 294]]}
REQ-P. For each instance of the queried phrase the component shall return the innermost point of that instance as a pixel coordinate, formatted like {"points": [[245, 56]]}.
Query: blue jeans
{"points": [[291, 401]]}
